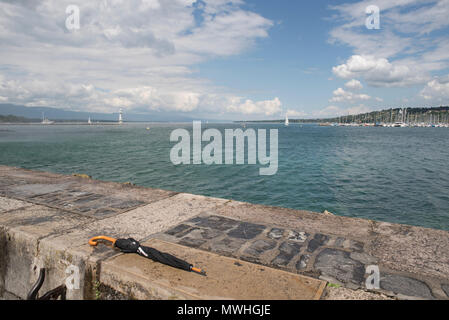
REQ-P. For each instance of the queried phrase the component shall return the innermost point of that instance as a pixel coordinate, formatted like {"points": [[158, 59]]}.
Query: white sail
{"points": [[287, 123]]}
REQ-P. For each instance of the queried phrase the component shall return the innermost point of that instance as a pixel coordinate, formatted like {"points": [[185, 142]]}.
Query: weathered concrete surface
{"points": [[341, 293], [84, 196], [315, 245], [56, 235], [445, 288], [46, 220], [227, 279], [41, 221], [139, 224], [405, 286], [7, 204], [416, 250], [406, 250]]}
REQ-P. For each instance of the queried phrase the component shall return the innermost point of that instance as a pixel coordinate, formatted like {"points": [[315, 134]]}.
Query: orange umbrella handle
{"points": [[94, 241]]}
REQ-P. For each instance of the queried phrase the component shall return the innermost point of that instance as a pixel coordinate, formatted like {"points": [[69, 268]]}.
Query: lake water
{"points": [[397, 175]]}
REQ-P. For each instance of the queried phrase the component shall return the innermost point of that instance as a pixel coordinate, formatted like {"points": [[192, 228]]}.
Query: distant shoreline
{"points": [[60, 123]]}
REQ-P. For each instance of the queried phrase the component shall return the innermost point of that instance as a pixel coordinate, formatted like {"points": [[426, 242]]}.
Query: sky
{"points": [[225, 59]]}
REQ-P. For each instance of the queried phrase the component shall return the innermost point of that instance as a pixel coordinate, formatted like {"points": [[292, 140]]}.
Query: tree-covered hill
{"points": [[15, 119]]}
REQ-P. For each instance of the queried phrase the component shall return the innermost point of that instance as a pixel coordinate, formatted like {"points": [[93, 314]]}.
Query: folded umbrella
{"points": [[133, 246]]}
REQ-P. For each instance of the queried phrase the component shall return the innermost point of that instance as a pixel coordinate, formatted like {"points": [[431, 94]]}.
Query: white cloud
{"points": [[404, 25], [296, 113], [341, 95], [118, 102], [437, 90], [142, 99], [429, 17], [335, 111], [249, 107], [354, 85], [356, 110], [385, 45], [223, 34], [378, 72], [411, 44], [135, 54], [328, 111]]}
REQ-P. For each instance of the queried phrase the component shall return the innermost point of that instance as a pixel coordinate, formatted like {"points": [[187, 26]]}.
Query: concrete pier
{"points": [[249, 251]]}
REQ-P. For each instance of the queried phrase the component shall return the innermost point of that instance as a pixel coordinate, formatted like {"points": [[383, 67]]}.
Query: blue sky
{"points": [[225, 59], [294, 62]]}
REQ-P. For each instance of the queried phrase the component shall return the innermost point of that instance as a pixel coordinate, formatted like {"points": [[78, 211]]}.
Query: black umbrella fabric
{"points": [[133, 246]]}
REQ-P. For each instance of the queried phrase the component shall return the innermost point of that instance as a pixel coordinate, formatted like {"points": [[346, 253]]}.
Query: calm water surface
{"points": [[387, 174]]}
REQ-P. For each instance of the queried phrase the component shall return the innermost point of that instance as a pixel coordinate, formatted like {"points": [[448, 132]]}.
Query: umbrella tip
{"points": [[198, 271]]}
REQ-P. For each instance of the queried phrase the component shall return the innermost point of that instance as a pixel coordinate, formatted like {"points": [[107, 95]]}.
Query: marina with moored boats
{"points": [[389, 118]]}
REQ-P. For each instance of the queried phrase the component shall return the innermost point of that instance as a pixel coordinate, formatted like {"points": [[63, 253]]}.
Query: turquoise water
{"points": [[387, 174]]}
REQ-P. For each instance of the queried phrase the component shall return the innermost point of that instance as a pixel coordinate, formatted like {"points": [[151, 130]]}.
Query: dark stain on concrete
{"points": [[246, 231], [405, 285], [276, 233], [287, 251], [105, 292], [209, 234], [356, 245], [339, 242], [226, 246], [214, 222], [180, 230], [339, 265], [103, 213], [260, 246], [445, 288], [127, 204], [300, 237], [90, 281], [302, 262], [191, 242], [76, 200], [317, 241], [88, 198], [34, 221]]}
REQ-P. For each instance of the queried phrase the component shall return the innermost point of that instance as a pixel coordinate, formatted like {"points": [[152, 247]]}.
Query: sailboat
{"points": [[287, 123], [402, 123], [45, 120], [89, 121]]}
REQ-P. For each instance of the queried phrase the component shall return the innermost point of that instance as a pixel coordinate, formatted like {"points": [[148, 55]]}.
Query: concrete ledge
{"points": [[46, 220]]}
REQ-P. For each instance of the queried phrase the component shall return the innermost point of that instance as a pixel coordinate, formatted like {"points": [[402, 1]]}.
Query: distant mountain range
{"points": [[65, 115]]}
